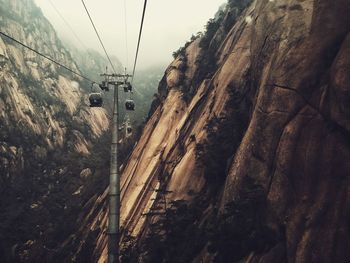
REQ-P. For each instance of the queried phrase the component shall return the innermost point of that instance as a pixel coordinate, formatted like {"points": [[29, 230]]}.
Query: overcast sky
{"points": [[168, 24]]}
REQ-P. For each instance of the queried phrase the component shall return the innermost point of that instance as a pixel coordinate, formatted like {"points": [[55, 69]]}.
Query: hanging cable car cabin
{"points": [[127, 87], [104, 86], [128, 130], [130, 105], [95, 100]]}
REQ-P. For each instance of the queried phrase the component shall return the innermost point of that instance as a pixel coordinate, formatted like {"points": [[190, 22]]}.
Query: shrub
{"points": [[241, 228], [182, 50], [176, 230]]}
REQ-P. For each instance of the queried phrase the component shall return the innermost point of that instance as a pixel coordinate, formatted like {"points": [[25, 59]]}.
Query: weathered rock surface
{"points": [[45, 123], [42, 106], [261, 149]]}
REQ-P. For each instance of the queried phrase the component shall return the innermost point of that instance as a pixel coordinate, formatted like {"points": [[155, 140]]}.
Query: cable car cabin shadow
{"points": [[96, 100], [130, 105]]}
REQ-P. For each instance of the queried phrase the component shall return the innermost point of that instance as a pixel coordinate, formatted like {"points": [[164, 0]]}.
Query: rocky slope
{"points": [[246, 157], [47, 135]]}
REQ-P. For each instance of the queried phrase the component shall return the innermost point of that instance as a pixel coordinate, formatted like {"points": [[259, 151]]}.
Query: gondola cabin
{"points": [[127, 87], [104, 86], [95, 100], [130, 105]]}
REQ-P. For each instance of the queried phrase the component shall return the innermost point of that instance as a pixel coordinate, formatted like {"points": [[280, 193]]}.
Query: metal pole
{"points": [[114, 189]]}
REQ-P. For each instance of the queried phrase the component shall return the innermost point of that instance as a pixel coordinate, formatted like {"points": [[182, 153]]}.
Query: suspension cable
{"points": [[98, 36], [72, 30], [68, 25], [46, 57], [139, 40], [126, 36]]}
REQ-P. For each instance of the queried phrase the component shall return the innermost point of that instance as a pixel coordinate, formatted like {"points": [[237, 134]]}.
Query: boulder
{"points": [[86, 173]]}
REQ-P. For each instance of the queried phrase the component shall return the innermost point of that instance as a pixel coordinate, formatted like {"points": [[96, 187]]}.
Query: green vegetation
{"points": [[240, 5], [216, 30], [226, 131], [145, 84], [206, 61], [41, 97], [173, 231], [8, 14], [187, 227], [182, 50], [241, 229]]}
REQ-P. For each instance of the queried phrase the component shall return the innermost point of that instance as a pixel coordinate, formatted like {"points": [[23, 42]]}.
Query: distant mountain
{"points": [[92, 63], [145, 88]]}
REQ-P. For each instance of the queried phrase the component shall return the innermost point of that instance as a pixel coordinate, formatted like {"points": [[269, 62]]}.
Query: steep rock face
{"points": [[41, 104], [46, 126], [251, 141], [33, 88], [297, 143]]}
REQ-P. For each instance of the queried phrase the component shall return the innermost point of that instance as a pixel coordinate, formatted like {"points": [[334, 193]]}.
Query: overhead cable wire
{"points": [[139, 40], [98, 36], [126, 36], [72, 30], [68, 25], [46, 57]]}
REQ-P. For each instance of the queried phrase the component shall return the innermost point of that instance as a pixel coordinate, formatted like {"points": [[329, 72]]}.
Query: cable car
{"points": [[127, 87], [128, 130], [104, 86], [95, 100], [130, 105]]}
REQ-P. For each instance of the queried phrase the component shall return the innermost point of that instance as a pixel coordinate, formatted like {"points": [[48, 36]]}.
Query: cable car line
{"points": [[68, 25], [46, 57], [98, 36], [126, 36], [139, 40], [71, 29]]}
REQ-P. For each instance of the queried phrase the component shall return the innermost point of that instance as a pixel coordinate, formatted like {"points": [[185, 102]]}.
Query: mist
{"points": [[168, 25]]}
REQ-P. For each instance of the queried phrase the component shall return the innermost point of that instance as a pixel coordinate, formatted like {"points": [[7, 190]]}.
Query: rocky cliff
{"points": [[46, 137], [246, 157]]}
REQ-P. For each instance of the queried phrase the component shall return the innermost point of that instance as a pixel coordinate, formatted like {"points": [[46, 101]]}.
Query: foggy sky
{"points": [[168, 24]]}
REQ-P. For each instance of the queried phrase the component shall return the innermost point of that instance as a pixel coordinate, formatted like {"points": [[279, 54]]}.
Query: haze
{"points": [[168, 25]]}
